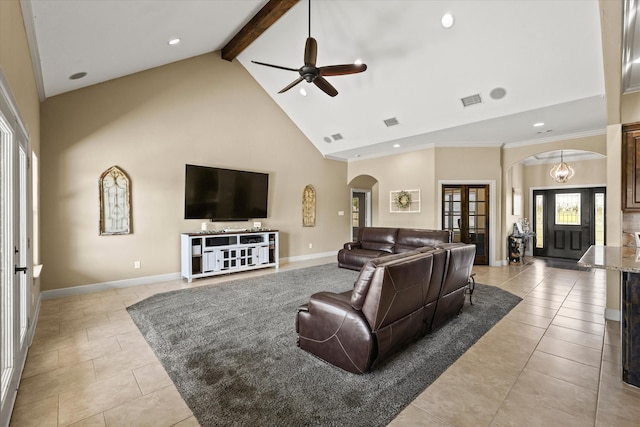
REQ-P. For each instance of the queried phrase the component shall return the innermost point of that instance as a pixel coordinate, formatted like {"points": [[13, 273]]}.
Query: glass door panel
{"points": [[465, 211]]}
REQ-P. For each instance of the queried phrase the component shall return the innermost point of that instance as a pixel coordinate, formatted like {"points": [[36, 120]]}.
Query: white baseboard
{"points": [[309, 256], [611, 314], [116, 284]]}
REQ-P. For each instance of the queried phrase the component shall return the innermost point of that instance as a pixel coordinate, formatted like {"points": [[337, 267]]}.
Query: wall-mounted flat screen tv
{"points": [[220, 194]]}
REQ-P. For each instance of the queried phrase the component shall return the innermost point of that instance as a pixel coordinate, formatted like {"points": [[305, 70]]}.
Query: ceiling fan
{"points": [[313, 74]]}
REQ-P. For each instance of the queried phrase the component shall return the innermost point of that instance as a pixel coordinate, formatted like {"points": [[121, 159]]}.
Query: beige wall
{"points": [[588, 173], [202, 111], [15, 63], [404, 171], [514, 194]]}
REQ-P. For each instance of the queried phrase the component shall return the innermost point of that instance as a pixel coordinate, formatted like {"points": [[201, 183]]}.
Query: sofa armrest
{"points": [[352, 245], [336, 332]]}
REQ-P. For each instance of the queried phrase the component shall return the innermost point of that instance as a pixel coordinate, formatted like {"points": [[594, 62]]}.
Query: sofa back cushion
{"points": [[378, 238], [397, 288], [409, 239], [362, 283]]}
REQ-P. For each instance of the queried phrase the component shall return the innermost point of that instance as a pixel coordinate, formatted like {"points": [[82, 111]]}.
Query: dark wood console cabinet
{"points": [[631, 168]]}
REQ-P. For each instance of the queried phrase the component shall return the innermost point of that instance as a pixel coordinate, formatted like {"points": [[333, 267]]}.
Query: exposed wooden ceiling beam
{"points": [[266, 17]]}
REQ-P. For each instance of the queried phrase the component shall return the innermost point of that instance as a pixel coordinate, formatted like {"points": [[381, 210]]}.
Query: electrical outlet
{"points": [[136, 264], [340, 213], [310, 245]]}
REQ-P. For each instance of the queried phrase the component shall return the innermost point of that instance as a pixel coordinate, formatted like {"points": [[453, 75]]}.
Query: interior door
{"points": [[465, 210], [568, 221], [359, 211]]}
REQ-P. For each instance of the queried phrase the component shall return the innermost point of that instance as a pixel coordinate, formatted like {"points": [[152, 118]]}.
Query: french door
{"points": [[465, 210], [15, 257], [568, 221]]}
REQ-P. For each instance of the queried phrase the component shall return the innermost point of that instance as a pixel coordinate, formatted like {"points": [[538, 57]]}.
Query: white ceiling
{"points": [[546, 55]]}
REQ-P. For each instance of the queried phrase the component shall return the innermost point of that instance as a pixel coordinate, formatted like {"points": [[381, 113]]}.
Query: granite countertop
{"points": [[612, 258]]}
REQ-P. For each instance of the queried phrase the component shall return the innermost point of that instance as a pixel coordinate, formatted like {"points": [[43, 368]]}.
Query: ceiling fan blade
{"points": [[325, 86], [339, 70], [275, 66], [292, 84], [310, 52]]}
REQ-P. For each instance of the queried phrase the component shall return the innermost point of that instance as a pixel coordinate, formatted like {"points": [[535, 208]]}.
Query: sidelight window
{"points": [[599, 218], [539, 221]]}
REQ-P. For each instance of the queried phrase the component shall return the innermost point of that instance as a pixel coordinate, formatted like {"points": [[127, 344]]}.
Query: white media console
{"points": [[211, 253]]}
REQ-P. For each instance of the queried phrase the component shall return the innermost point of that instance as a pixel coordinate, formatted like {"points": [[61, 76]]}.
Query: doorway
{"points": [[465, 210], [568, 221], [360, 211]]}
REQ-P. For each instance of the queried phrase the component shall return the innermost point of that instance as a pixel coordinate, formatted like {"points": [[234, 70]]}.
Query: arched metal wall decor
{"points": [[115, 202], [309, 206]]}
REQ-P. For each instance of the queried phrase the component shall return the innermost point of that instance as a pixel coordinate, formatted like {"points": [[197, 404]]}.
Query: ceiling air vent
{"points": [[391, 122], [471, 100], [337, 137]]}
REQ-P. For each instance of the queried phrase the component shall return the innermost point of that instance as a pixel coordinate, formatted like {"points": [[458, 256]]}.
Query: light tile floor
{"points": [[552, 361]]}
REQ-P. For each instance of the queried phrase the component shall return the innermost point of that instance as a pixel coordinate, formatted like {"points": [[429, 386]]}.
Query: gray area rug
{"points": [[231, 351]]}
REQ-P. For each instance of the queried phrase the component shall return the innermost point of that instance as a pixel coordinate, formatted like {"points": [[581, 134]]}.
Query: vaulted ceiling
{"points": [[527, 62]]}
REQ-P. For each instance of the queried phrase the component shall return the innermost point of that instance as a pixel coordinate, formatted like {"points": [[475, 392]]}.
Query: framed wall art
{"points": [[404, 201], [114, 187], [309, 206]]}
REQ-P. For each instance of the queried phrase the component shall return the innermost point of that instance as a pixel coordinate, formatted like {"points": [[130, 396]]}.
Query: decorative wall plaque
{"points": [[115, 202], [309, 206], [407, 201]]}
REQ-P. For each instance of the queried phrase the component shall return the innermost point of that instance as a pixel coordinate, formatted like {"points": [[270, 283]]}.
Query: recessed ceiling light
{"points": [[396, 145], [77, 76], [447, 20], [303, 92], [174, 41], [537, 125]]}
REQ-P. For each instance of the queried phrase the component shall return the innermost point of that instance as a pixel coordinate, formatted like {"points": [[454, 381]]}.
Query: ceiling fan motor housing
{"points": [[309, 73]]}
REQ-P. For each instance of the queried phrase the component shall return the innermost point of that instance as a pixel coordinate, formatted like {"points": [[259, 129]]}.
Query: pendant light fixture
{"points": [[561, 172]]}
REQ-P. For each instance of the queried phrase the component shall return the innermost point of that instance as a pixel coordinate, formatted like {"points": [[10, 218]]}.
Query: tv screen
{"points": [[224, 194]]}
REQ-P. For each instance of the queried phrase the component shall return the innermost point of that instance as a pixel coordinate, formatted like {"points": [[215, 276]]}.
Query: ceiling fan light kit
{"points": [[310, 73]]}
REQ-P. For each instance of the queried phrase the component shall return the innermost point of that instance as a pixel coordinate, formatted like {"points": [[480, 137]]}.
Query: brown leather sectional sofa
{"points": [[396, 299], [374, 242]]}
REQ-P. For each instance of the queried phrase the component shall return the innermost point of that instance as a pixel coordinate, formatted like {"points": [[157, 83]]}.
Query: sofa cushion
{"points": [[408, 239], [356, 258], [378, 238]]}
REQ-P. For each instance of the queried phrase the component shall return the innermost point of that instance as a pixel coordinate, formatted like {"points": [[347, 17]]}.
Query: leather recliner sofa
{"points": [[374, 242], [395, 300]]}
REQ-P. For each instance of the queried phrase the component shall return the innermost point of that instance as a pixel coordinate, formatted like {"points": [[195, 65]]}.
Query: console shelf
{"points": [[214, 253]]}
